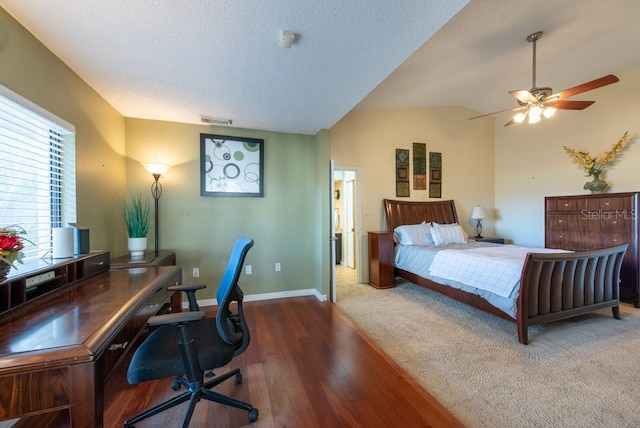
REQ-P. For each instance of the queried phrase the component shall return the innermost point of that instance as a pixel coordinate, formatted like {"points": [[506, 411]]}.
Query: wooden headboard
{"points": [[407, 212]]}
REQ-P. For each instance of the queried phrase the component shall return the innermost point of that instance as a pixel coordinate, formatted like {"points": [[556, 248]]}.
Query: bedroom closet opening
{"points": [[345, 228]]}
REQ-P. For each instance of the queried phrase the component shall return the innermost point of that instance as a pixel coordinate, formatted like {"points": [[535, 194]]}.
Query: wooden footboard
{"points": [[556, 286]]}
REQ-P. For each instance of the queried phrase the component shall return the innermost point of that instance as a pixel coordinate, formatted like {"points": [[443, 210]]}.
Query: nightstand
{"points": [[492, 240], [381, 270]]}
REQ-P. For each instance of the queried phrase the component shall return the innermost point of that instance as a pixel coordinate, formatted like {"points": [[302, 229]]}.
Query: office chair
{"points": [[186, 344]]}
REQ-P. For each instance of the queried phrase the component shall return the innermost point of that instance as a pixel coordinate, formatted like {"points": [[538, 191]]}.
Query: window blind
{"points": [[37, 171]]}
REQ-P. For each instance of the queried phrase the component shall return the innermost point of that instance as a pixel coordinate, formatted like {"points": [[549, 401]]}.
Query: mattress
{"points": [[417, 259]]}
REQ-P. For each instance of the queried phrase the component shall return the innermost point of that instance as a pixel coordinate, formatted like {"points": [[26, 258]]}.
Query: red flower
{"points": [[11, 243]]}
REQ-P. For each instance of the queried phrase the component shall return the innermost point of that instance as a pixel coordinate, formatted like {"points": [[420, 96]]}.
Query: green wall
{"points": [[31, 70], [284, 223]]}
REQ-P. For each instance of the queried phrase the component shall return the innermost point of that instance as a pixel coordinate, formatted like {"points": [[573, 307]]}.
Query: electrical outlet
{"points": [[278, 267], [247, 269], [196, 272]]}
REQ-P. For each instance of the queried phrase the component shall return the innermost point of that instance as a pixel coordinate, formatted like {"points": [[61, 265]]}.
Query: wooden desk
{"points": [[57, 351], [165, 258], [38, 278], [149, 259]]}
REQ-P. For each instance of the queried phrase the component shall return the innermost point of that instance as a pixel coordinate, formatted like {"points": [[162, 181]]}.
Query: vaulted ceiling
{"points": [[176, 61]]}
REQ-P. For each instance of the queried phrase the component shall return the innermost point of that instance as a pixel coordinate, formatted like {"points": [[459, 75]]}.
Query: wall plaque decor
{"points": [[435, 175], [231, 166], [419, 166], [402, 173]]}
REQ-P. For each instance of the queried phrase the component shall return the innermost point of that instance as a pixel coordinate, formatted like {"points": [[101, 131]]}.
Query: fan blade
{"points": [[511, 122], [594, 84], [524, 96], [569, 105], [496, 112]]}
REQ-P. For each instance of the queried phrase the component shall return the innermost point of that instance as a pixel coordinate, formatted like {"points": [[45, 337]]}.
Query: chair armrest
{"points": [[190, 291], [186, 287], [175, 318]]}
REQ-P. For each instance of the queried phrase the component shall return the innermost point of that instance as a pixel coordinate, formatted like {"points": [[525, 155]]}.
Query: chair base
{"points": [[196, 391]]}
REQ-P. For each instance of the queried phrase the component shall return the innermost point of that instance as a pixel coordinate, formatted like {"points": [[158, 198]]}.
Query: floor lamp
{"points": [[157, 170]]}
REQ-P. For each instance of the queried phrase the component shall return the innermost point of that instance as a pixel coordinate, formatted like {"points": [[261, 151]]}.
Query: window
{"points": [[37, 171]]}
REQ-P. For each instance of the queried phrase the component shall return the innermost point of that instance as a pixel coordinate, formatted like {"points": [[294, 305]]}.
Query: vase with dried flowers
{"points": [[593, 166], [12, 239]]}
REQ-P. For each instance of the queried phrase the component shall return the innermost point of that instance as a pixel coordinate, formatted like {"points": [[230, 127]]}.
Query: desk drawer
{"points": [[95, 264], [126, 338]]}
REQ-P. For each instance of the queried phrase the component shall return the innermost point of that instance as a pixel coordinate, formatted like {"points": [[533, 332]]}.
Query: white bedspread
{"points": [[495, 269]]}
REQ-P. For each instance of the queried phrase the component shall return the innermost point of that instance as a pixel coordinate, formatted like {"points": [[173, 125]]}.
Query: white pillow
{"points": [[413, 234], [449, 234]]}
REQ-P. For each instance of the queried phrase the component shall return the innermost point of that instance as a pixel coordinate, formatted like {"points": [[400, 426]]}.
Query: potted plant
{"points": [[11, 245], [136, 212]]}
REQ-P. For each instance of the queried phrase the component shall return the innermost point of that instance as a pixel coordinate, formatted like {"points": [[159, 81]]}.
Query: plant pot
{"points": [[137, 246], [4, 270], [596, 185]]}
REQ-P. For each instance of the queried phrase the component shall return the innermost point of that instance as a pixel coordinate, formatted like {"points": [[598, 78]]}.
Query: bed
{"points": [[551, 285]]}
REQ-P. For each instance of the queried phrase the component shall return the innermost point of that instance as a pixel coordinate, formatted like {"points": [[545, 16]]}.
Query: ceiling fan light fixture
{"points": [[520, 117], [535, 111], [549, 112], [533, 118]]}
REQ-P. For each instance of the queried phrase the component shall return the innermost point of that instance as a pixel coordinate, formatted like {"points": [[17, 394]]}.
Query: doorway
{"points": [[345, 228]]}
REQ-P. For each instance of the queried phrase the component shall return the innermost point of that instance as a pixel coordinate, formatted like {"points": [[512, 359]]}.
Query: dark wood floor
{"points": [[307, 366]]}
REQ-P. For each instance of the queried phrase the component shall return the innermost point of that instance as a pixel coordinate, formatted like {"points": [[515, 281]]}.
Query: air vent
{"points": [[216, 120]]}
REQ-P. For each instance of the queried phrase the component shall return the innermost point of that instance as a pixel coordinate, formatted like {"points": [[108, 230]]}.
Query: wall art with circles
{"points": [[231, 166]]}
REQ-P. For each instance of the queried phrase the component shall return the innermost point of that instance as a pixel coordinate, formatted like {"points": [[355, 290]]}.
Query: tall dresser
{"points": [[588, 222]]}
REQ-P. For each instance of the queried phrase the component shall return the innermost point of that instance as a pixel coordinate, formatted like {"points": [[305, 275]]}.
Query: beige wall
{"points": [[285, 224], [531, 163], [28, 68], [366, 141]]}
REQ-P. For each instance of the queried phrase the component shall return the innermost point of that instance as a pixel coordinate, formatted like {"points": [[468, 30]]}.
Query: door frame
{"points": [[357, 201]]}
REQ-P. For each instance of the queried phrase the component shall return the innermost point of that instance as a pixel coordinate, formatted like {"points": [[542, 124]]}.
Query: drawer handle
{"points": [[607, 203], [117, 346], [98, 264], [566, 205], [560, 236], [615, 240], [559, 221]]}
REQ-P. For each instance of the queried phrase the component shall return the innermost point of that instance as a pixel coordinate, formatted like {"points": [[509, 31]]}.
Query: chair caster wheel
{"points": [[175, 385], [238, 378], [253, 415]]}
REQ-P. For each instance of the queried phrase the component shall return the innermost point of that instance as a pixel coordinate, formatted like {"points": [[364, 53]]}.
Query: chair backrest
{"points": [[232, 327]]}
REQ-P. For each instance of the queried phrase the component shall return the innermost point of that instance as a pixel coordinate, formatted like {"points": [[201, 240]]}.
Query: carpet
{"points": [[582, 372]]}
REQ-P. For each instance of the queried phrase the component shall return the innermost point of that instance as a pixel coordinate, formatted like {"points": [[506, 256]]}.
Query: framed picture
{"points": [[231, 166], [402, 173]]}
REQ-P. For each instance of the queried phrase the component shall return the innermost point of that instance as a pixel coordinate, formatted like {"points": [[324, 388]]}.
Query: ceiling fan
{"points": [[537, 102]]}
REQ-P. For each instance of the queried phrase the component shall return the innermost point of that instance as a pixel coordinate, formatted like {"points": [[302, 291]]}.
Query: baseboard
{"points": [[266, 296]]}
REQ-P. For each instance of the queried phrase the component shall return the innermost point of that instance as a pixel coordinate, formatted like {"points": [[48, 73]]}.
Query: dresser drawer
{"points": [[610, 204], [566, 204]]}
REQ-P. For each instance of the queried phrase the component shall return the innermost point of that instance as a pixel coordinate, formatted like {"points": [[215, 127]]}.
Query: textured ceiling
{"points": [[176, 60], [482, 53]]}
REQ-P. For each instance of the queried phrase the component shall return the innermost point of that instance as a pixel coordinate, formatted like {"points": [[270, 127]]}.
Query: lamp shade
{"points": [[478, 213], [156, 167]]}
